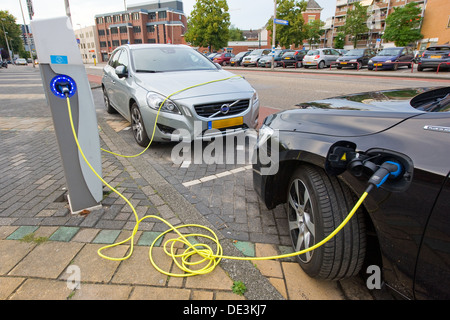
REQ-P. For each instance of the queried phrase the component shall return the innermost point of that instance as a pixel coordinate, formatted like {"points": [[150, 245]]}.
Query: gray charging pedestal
{"points": [[61, 66]]}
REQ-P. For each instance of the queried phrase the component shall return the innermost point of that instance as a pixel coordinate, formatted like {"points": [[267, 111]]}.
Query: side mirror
{"points": [[121, 71]]}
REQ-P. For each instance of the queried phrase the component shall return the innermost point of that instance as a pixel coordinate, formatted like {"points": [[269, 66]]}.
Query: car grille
{"points": [[207, 110]]}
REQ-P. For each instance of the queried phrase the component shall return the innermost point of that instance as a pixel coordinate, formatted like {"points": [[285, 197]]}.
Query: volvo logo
{"points": [[225, 108]]}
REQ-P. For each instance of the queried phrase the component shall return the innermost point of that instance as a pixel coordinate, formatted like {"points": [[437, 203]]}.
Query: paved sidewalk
{"points": [[45, 250]]}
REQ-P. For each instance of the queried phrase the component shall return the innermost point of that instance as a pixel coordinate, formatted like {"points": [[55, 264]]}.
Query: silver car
{"points": [[320, 58], [204, 100]]}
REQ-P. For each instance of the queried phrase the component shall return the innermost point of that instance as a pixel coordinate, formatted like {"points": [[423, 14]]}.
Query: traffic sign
{"points": [[283, 22]]}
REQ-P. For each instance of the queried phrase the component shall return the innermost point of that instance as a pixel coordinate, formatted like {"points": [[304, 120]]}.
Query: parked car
{"points": [[254, 56], [435, 56], [266, 61], [328, 150], [21, 62], [139, 78], [293, 58], [320, 58], [212, 55], [3, 64], [223, 58], [355, 58], [236, 61], [392, 58]]}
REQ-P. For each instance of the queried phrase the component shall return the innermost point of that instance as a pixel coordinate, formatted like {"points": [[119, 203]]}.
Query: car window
{"points": [[335, 52], [114, 58], [123, 59], [313, 52], [167, 59]]}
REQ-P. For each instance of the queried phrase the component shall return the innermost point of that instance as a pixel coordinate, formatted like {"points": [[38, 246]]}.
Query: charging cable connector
{"points": [[388, 170]]}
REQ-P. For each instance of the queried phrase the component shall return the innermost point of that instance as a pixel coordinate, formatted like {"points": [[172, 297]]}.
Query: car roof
{"points": [[152, 45]]}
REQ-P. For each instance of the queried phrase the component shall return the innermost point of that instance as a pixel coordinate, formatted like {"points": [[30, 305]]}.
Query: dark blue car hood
{"points": [[384, 58]]}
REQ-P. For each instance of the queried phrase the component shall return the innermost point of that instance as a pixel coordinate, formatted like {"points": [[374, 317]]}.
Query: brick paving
{"points": [[35, 221]]}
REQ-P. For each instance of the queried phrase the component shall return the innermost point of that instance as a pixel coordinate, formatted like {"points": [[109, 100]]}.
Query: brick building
{"points": [[160, 21], [436, 23], [378, 10]]}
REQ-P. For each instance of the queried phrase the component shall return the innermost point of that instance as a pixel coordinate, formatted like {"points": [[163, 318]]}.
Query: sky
{"points": [[245, 14]]}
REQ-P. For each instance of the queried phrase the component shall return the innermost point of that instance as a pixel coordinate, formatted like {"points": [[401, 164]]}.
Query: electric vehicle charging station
{"points": [[64, 75]]}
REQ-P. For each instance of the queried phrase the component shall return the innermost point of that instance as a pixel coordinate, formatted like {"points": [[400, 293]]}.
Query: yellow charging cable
{"points": [[159, 110], [209, 258]]}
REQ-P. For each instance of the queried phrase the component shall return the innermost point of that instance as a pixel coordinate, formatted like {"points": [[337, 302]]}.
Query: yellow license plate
{"points": [[435, 57], [308, 62], [344, 62], [287, 58], [378, 64], [226, 123]]}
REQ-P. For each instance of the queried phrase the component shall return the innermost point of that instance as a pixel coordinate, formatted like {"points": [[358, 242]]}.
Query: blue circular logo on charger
{"points": [[59, 83]]}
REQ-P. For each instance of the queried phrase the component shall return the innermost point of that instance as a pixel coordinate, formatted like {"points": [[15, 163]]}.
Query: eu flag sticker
{"points": [[59, 60]]}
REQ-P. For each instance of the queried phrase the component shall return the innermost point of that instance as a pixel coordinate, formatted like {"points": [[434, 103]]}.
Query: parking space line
{"points": [[216, 176]]}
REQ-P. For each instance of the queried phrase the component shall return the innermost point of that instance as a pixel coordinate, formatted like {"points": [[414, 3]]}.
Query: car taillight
{"points": [[317, 57]]}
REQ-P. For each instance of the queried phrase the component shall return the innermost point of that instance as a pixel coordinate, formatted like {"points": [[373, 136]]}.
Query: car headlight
{"points": [[265, 133], [370, 61], [155, 100], [388, 61], [255, 98], [353, 60]]}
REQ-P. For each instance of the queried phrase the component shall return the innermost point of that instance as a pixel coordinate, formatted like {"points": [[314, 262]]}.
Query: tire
{"points": [[316, 205], [108, 105], [419, 68], [137, 126], [321, 64]]}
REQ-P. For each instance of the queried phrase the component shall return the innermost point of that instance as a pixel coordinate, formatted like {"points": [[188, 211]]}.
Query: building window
{"points": [[101, 32], [136, 29], [162, 14], [100, 20], [108, 19], [102, 44], [123, 29], [117, 18], [124, 41], [137, 40], [151, 40], [152, 15], [151, 29], [135, 16], [114, 30], [126, 17], [115, 43]]}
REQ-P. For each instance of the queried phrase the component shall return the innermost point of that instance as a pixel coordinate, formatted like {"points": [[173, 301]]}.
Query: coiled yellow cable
{"points": [[209, 258]]}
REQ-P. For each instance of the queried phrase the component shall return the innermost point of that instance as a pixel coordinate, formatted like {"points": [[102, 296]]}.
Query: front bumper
{"points": [[177, 127]]}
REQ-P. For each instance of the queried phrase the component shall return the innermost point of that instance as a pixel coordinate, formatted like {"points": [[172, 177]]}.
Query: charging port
{"points": [[63, 85]]}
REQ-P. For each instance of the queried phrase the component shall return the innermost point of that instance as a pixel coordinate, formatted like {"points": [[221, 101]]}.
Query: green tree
{"points": [[208, 24], [356, 22], [294, 33], [8, 21], [313, 31], [236, 34], [339, 42], [403, 25]]}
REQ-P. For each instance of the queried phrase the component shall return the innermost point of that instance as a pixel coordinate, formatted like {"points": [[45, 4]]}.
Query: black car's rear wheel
{"points": [[316, 205], [137, 126]]}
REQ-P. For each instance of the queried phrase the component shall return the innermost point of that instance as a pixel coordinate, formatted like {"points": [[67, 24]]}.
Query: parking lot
{"points": [[222, 192]]}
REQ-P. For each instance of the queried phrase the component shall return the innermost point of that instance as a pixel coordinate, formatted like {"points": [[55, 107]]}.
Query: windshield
{"points": [[313, 52], [355, 52], [166, 59], [390, 52], [288, 54], [240, 54], [256, 52]]}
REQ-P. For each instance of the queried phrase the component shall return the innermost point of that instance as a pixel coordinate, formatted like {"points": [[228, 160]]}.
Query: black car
{"points": [[237, 59], [434, 57], [293, 58], [355, 58], [319, 159]]}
